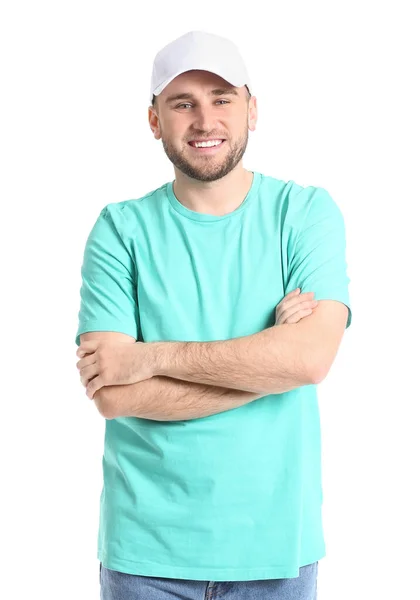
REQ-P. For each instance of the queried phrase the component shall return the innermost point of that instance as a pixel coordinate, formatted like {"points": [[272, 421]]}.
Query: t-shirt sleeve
{"points": [[108, 294], [317, 245]]}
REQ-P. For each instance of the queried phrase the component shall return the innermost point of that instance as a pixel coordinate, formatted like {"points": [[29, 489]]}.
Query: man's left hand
{"points": [[103, 364]]}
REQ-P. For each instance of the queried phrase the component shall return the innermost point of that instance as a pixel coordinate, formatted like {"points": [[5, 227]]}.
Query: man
{"points": [[201, 344]]}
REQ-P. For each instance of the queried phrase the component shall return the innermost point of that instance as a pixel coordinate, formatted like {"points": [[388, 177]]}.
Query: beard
{"points": [[207, 168]]}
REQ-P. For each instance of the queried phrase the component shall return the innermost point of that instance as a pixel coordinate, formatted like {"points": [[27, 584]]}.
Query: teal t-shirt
{"points": [[237, 495]]}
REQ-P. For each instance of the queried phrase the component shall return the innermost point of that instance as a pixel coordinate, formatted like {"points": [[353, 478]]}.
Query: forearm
{"points": [[164, 399], [272, 361]]}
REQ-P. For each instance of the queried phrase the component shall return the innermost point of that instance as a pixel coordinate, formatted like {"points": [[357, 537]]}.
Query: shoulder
{"points": [[310, 204], [296, 196], [297, 203], [125, 215]]}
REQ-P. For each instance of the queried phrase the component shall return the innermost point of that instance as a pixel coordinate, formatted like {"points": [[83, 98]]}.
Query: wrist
{"points": [[154, 357], [165, 357]]}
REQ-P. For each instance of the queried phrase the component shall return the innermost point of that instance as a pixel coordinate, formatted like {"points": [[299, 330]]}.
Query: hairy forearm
{"points": [[271, 361], [165, 399]]}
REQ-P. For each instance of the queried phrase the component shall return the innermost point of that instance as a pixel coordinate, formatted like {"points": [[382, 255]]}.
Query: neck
{"points": [[213, 197]]}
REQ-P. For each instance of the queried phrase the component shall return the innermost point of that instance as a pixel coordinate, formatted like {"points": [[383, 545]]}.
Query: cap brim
{"points": [[221, 72]]}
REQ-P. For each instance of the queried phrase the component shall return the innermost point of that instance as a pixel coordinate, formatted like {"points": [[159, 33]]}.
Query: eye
{"points": [[189, 103]]}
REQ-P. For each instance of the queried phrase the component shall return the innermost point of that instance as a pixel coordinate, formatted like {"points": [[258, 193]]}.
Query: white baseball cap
{"points": [[198, 50]]}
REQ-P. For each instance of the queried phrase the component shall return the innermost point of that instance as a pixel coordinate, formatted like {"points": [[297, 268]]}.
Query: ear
{"points": [[154, 122], [252, 114]]}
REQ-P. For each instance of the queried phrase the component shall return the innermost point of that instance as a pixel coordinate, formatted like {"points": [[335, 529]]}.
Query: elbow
{"points": [[318, 372], [104, 404], [318, 364], [317, 377]]}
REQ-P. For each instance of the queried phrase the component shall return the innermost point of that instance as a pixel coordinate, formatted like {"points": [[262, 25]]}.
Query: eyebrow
{"points": [[189, 96]]}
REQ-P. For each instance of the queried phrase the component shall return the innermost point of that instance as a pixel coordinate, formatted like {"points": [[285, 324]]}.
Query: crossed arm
{"points": [[197, 379]]}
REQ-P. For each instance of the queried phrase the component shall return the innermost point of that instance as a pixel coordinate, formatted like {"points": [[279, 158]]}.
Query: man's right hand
{"points": [[294, 307]]}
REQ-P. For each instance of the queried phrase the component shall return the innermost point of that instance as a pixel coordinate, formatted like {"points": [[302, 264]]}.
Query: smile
{"points": [[209, 147]]}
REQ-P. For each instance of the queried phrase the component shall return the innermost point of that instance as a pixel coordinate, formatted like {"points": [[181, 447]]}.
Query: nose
{"points": [[204, 118]]}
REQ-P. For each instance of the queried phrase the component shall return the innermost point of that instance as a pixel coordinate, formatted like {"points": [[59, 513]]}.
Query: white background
{"points": [[338, 107]]}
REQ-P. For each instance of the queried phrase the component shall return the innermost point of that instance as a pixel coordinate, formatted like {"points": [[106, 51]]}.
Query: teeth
{"points": [[207, 144]]}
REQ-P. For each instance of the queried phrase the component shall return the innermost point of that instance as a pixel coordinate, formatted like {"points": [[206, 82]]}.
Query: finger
{"points": [[293, 293], [90, 371], [90, 359], [294, 299], [87, 347], [86, 378], [93, 386], [84, 381], [296, 317], [297, 307], [285, 315], [299, 297], [293, 304]]}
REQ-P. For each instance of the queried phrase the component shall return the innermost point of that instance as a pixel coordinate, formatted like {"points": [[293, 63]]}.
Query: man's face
{"points": [[202, 114]]}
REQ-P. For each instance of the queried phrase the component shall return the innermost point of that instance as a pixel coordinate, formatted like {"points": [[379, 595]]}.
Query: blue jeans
{"points": [[122, 586]]}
